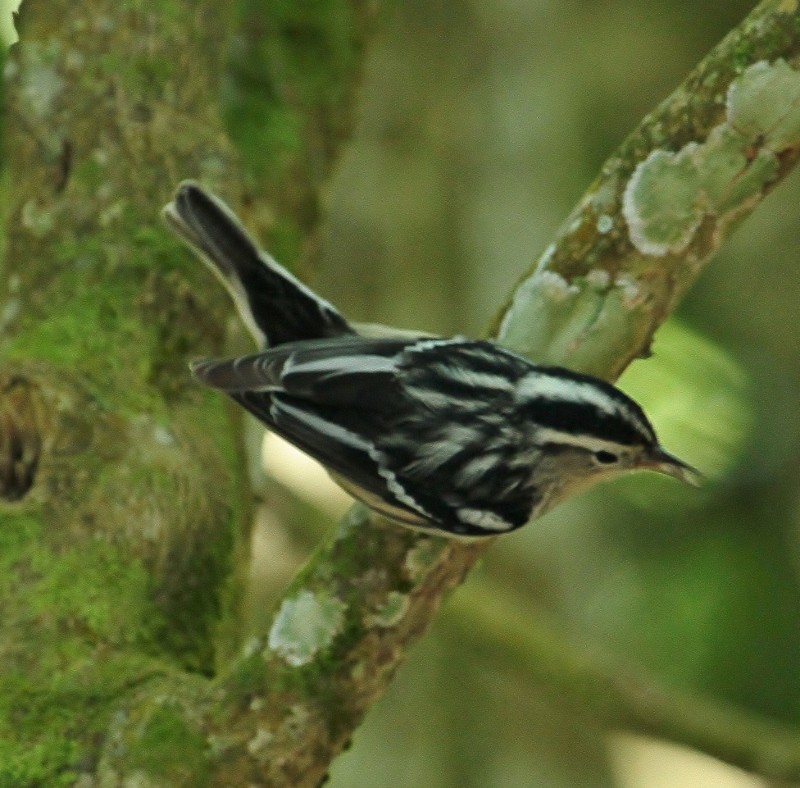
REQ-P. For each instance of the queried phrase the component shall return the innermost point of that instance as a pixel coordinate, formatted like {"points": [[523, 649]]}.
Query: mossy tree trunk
{"points": [[124, 520], [125, 505]]}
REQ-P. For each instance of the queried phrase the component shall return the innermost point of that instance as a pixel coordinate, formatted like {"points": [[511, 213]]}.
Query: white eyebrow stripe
{"points": [[589, 442], [539, 385]]}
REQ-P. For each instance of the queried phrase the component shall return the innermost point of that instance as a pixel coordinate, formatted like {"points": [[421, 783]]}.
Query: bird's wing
{"points": [[331, 399], [331, 372], [384, 416]]}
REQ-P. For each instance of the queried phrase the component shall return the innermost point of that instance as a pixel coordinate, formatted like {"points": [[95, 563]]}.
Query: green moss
{"points": [[101, 308], [95, 334], [294, 57], [247, 678], [17, 530], [51, 709], [169, 748], [195, 572], [742, 54], [286, 241], [75, 609], [44, 762], [119, 317], [90, 173], [142, 74], [101, 590], [92, 592], [286, 106]]}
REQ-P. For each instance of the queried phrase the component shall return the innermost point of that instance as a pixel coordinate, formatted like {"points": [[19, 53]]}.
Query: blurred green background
{"points": [[480, 124]]}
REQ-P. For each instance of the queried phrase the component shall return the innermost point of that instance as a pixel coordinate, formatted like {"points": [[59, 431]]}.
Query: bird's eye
{"points": [[605, 457]]}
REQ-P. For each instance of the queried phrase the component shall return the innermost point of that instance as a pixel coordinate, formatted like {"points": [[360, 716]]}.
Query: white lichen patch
{"points": [[631, 291], [135, 779], [219, 744], [258, 746], [74, 60], [41, 85], [38, 221], [252, 646], [353, 519], [604, 224], [554, 286], [729, 176], [550, 318], [602, 201], [391, 611], [541, 293], [765, 101], [305, 625], [9, 312], [598, 278], [601, 312], [163, 436], [671, 192], [662, 202], [295, 723], [257, 704]]}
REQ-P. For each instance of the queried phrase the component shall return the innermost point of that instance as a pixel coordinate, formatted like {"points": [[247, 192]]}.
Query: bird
{"points": [[455, 436]]}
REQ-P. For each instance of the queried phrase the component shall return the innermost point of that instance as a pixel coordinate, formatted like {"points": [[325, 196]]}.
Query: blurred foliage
{"points": [[8, 33], [481, 124], [698, 397]]}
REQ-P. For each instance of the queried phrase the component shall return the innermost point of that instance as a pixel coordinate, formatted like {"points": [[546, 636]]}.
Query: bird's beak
{"points": [[663, 462]]}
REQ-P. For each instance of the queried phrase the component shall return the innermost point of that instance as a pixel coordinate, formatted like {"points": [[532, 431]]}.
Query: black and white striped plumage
{"points": [[454, 435]]}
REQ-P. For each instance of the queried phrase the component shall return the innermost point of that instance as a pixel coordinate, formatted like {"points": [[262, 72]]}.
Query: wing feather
{"points": [[350, 371], [356, 405]]}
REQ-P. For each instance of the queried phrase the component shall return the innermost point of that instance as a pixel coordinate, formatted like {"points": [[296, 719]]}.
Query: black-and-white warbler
{"points": [[456, 436]]}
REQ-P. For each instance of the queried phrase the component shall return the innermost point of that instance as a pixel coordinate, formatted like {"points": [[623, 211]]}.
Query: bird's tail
{"points": [[274, 305]]}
